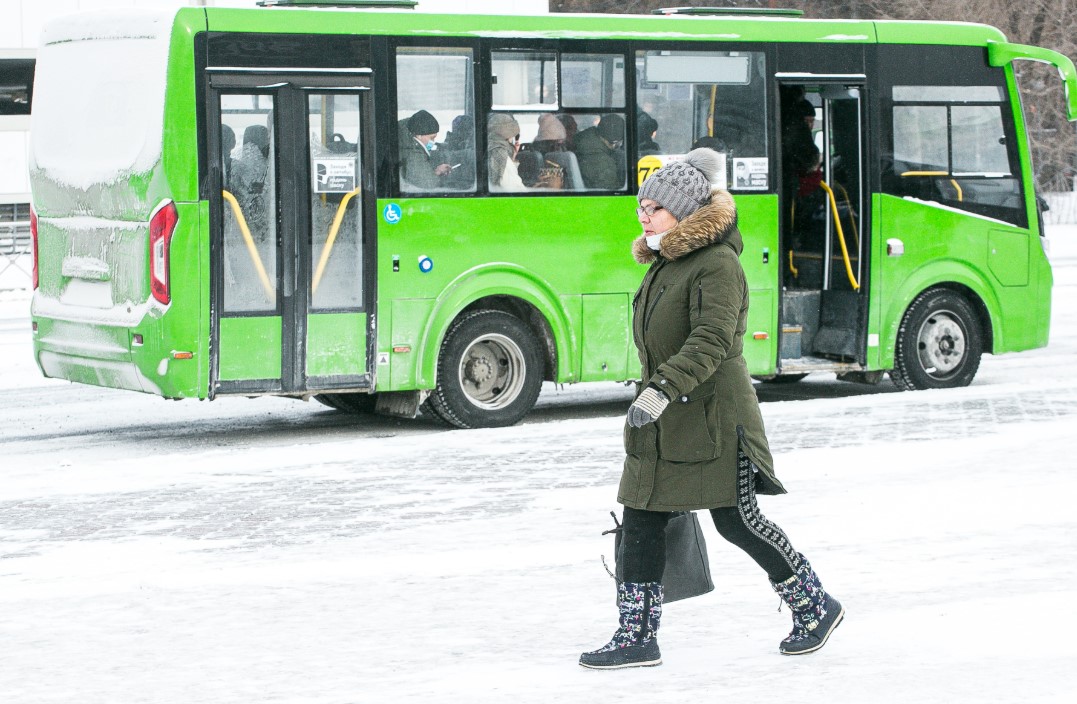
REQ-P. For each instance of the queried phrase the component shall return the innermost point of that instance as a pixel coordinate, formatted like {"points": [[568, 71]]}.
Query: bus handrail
{"points": [[337, 219], [953, 181], [251, 248], [841, 236], [852, 215]]}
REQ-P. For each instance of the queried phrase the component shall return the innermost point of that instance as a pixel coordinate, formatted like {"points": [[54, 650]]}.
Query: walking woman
{"points": [[694, 436]]}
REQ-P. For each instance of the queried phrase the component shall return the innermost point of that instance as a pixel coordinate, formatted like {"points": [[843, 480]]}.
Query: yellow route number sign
{"points": [[647, 166]]}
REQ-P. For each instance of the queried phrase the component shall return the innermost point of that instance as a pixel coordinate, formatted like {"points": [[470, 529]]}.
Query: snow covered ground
{"points": [[272, 551]]}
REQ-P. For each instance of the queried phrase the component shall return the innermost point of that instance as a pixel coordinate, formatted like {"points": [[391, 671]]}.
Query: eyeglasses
{"points": [[648, 210], [516, 139]]}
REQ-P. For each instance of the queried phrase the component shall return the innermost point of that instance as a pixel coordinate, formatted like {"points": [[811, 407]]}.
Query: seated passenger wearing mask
{"points": [[419, 167]]}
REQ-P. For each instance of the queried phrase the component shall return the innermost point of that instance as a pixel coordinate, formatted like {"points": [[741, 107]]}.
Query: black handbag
{"points": [[688, 569]]}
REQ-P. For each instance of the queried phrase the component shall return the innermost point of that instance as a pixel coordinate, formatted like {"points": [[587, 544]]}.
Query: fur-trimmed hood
{"points": [[714, 223]]}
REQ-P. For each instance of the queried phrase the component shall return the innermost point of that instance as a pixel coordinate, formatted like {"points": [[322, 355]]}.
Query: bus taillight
{"points": [[162, 225], [33, 243]]}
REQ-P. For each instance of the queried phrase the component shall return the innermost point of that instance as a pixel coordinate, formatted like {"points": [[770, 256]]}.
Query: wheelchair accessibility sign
{"points": [[392, 213]]}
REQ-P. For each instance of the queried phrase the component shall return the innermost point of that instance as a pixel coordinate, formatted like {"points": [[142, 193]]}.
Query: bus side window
{"points": [[713, 99], [950, 145], [435, 106], [556, 126]]}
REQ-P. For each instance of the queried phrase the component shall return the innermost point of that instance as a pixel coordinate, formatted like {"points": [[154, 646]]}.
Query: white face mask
{"points": [[655, 241]]}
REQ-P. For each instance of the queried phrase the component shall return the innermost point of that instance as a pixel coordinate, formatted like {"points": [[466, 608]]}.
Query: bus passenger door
{"points": [[824, 225], [292, 247]]}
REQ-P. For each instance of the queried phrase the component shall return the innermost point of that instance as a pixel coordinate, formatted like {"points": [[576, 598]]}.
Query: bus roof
{"points": [[590, 26]]}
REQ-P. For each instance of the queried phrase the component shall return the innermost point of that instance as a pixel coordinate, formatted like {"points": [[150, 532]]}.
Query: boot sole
{"points": [[822, 641], [648, 663]]}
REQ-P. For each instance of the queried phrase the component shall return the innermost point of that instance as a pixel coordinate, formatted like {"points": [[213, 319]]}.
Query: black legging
{"points": [[743, 525]]}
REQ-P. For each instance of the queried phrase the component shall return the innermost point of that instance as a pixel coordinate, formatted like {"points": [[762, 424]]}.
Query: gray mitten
{"points": [[647, 407]]}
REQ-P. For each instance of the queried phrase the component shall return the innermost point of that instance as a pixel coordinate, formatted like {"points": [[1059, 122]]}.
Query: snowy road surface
{"points": [[268, 550]]}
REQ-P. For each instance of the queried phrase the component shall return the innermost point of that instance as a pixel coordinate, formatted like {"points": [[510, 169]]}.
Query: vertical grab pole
{"points": [[324, 259], [251, 248]]}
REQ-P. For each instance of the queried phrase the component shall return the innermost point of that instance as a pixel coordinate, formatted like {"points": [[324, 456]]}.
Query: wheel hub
{"points": [[492, 371], [942, 344], [479, 369]]}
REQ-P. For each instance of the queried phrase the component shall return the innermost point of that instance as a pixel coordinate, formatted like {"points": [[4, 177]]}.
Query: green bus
{"points": [[389, 210]]}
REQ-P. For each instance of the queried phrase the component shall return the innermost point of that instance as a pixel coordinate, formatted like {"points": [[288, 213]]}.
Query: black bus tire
{"points": [[489, 372], [939, 343]]}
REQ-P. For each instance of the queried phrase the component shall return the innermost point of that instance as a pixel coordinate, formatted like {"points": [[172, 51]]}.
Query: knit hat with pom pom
{"points": [[683, 187]]}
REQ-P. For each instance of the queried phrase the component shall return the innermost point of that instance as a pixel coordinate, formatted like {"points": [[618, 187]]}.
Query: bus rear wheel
{"points": [[489, 372], [939, 343]]}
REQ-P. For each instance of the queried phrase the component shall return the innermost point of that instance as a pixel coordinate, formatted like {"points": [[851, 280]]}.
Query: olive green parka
{"points": [[689, 318]]}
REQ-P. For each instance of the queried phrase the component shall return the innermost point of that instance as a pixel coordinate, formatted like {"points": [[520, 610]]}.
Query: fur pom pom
{"points": [[707, 161]]}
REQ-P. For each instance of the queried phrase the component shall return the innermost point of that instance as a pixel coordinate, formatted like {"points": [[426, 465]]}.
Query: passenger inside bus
{"points": [[539, 171], [551, 135], [571, 129], [503, 143], [228, 143], [810, 203], [600, 153], [459, 151], [559, 168], [421, 167], [647, 130], [804, 215], [248, 181]]}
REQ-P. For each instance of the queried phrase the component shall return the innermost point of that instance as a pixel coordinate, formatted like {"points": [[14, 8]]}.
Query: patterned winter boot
{"points": [[635, 643], [815, 613]]}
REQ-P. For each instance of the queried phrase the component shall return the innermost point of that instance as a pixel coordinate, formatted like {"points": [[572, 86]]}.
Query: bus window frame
{"points": [[560, 46], [483, 97], [772, 123], [389, 151], [954, 71]]}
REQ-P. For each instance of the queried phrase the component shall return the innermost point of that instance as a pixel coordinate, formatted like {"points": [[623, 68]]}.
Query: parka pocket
{"points": [[688, 430]]}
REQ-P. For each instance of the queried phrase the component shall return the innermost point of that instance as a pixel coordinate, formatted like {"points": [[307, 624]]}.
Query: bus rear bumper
{"points": [[98, 355]]}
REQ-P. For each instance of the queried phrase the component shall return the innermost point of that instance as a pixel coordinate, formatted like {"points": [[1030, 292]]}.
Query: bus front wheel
{"points": [[489, 369], [939, 343]]}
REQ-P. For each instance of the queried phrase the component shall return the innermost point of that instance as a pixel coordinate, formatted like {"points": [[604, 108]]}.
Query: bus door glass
{"points": [[823, 222], [291, 285], [843, 177]]}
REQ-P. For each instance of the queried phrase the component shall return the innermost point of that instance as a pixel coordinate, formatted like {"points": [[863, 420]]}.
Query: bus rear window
{"points": [[99, 108]]}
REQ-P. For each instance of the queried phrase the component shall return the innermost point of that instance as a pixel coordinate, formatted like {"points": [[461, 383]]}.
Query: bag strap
{"points": [[617, 525], [615, 530]]}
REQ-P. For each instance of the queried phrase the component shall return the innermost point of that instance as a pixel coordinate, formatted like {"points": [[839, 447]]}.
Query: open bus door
{"points": [[292, 235], [824, 224]]}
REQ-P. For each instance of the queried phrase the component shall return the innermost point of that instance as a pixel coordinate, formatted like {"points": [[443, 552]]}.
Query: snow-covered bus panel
{"points": [[98, 114]]}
